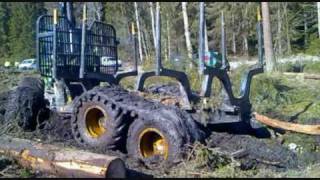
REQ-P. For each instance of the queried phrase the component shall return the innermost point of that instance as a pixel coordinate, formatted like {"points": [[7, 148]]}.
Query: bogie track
{"points": [[126, 109]]}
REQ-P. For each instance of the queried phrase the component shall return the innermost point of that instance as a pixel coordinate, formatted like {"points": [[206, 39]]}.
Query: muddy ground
{"points": [[225, 153]]}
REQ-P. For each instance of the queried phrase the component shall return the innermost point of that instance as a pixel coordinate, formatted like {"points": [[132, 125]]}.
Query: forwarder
{"points": [[71, 63]]}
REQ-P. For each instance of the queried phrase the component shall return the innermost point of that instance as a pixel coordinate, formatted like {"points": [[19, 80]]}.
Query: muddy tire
{"points": [[161, 135], [25, 102], [36, 84], [96, 121]]}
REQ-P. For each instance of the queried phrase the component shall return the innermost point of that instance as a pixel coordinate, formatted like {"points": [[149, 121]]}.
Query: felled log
{"points": [[64, 162], [301, 128], [303, 75]]}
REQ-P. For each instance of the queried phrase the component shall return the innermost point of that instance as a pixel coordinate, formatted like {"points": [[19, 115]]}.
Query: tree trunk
{"points": [[279, 34], [234, 48], [186, 29], [245, 35], [64, 162], [153, 25], [245, 45], [287, 28], [318, 8], [98, 10], [270, 61], [305, 29], [138, 32], [144, 44]]}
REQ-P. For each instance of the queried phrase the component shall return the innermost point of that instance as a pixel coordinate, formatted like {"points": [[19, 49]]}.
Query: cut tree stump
{"points": [[301, 128], [64, 162]]}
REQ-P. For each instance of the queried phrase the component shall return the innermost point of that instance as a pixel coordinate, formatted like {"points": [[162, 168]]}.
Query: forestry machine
{"points": [[76, 63]]}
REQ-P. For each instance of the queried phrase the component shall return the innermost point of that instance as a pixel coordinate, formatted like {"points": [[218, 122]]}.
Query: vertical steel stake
{"points": [[83, 42], [201, 38], [158, 38]]}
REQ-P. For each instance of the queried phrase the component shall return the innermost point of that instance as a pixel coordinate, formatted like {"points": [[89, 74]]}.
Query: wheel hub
{"points": [[96, 119], [152, 142]]}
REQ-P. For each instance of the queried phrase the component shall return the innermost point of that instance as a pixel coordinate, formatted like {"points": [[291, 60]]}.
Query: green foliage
{"points": [[17, 27], [3, 30], [290, 67], [313, 67], [22, 26], [314, 46], [307, 67]]}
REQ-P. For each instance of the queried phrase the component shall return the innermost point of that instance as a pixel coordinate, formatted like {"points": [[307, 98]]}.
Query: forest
{"points": [[294, 27]]}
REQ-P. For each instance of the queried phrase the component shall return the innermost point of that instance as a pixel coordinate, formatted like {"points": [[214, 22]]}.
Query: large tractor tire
{"points": [[25, 102], [162, 135], [97, 121], [108, 117]]}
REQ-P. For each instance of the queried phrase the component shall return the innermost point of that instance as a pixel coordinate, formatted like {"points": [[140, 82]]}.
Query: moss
{"points": [[25, 173]]}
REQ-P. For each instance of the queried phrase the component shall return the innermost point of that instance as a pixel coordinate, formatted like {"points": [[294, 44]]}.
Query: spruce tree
{"points": [[3, 30], [22, 29]]}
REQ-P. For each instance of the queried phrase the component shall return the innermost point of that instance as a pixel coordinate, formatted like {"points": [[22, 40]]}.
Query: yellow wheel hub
{"points": [[95, 119], [152, 142]]}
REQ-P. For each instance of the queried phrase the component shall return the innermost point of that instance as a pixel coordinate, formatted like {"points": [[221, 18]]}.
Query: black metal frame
{"points": [[181, 77], [232, 106], [74, 54]]}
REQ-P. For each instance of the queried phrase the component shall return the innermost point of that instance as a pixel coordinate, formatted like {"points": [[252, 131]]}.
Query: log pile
{"points": [[64, 162]]}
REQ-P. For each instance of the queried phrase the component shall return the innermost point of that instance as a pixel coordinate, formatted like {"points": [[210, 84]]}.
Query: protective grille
{"points": [[100, 51]]}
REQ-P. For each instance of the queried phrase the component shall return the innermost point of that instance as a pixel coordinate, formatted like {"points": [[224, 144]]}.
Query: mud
{"points": [[254, 153]]}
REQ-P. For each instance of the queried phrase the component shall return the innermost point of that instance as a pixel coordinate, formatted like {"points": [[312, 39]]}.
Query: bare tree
{"points": [[152, 24], [305, 28], [186, 29], [95, 11], [245, 24], [138, 31], [234, 47], [270, 60], [287, 27], [279, 33]]}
